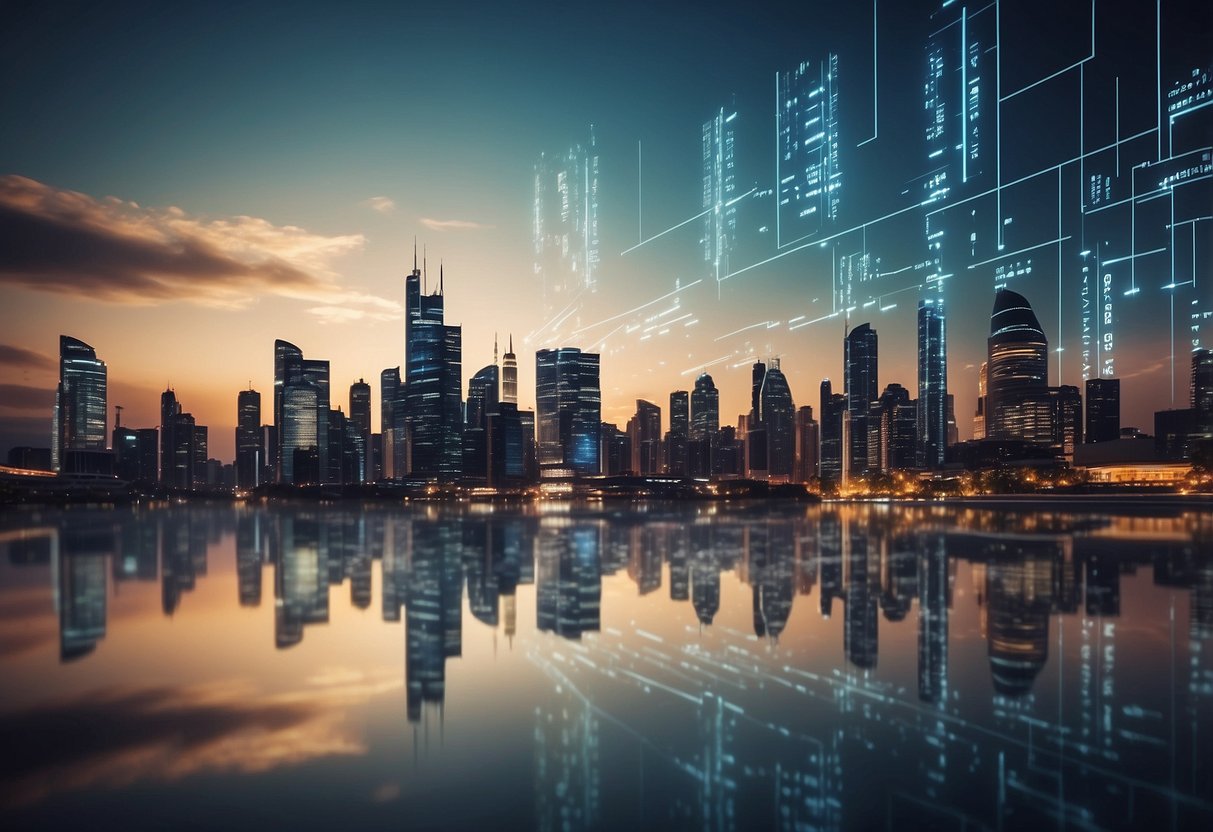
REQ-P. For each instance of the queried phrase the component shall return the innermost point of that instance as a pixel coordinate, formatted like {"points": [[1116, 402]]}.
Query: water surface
{"points": [[579, 667]]}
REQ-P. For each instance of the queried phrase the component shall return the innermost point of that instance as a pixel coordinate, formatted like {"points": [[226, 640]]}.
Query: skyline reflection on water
{"points": [[578, 667]]}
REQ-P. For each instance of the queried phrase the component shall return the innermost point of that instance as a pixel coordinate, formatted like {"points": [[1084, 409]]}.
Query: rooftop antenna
{"points": [[494, 349], [424, 276], [511, 343], [414, 254], [117, 416], [440, 278]]}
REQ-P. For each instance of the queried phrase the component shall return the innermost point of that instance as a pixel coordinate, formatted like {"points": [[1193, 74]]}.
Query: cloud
{"points": [[21, 357], [163, 734], [24, 397], [111, 250], [453, 225], [382, 204]]}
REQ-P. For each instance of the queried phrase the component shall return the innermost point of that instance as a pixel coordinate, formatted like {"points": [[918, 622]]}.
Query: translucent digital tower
{"points": [[719, 190], [808, 170], [565, 223]]}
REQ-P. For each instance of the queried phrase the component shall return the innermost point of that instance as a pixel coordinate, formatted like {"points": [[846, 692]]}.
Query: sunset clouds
{"points": [[453, 225], [111, 250]]}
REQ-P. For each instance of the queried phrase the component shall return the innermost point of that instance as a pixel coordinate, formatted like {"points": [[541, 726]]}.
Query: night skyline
{"points": [[244, 257]]}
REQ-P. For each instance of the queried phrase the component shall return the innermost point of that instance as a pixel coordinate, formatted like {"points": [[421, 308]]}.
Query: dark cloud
{"points": [[21, 357], [24, 397], [69, 243]]}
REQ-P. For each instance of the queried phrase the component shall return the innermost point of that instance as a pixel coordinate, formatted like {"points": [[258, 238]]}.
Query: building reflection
{"points": [[1043, 589]]}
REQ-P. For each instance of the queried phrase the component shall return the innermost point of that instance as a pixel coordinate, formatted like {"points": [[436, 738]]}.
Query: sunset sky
{"points": [[181, 185]]}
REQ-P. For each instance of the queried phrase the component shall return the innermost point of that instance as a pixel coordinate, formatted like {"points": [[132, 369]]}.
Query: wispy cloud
{"points": [[14, 356], [382, 204], [112, 250], [25, 397], [453, 225]]}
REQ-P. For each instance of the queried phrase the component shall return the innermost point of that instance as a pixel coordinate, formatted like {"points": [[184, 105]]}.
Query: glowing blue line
{"points": [[1023, 179], [700, 367], [1131, 256], [743, 329], [636, 309], [1021, 251], [875, 90], [698, 216]]}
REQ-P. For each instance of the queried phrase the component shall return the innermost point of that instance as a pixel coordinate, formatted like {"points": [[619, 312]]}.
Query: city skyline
{"points": [[210, 264]]}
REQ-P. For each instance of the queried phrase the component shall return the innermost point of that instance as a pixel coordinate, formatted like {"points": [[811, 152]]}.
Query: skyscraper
{"points": [[644, 430], [777, 412], [832, 407], [311, 377], [979, 417], [177, 438], [861, 390], [895, 429], [80, 402], [391, 423], [932, 418], [483, 396], [250, 453], [433, 383], [705, 408], [807, 439], [1202, 391], [678, 438], [568, 404], [509, 375], [1018, 372], [1103, 410], [360, 420]]}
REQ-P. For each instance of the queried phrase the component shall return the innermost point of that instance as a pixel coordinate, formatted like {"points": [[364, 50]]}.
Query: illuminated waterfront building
{"points": [[1017, 405], [311, 379], [832, 450], [1202, 391], [509, 375], [177, 436], [1103, 410], [433, 384], [391, 424], [80, 417], [932, 429], [862, 390], [644, 431], [360, 420], [777, 414], [807, 440], [250, 452], [568, 412], [979, 418], [705, 408]]}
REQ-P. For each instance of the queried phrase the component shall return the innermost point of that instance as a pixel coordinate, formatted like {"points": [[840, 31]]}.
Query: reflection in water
{"points": [[727, 721]]}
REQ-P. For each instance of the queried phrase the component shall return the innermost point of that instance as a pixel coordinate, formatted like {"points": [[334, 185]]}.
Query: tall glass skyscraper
{"points": [[311, 377], [250, 453], [777, 413], [360, 419], [932, 382], [862, 390], [1202, 390], [1017, 372], [832, 407], [509, 375], [80, 401], [433, 382], [1103, 409], [705, 408], [483, 399], [568, 403]]}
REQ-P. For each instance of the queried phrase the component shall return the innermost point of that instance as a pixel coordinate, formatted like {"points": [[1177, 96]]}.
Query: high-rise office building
{"points": [[861, 391], [482, 406], [565, 222], [705, 408], [807, 440], [509, 375], [1202, 391], [777, 413], [568, 404], [433, 383], [360, 421], [644, 431], [1065, 420], [391, 424], [932, 418], [979, 417], [832, 450], [80, 416], [1103, 410], [680, 413], [178, 456], [1017, 372], [250, 453], [893, 430], [310, 378]]}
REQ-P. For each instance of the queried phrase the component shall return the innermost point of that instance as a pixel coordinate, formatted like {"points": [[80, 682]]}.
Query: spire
{"points": [[414, 254], [494, 349], [423, 270], [511, 343], [440, 292]]}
